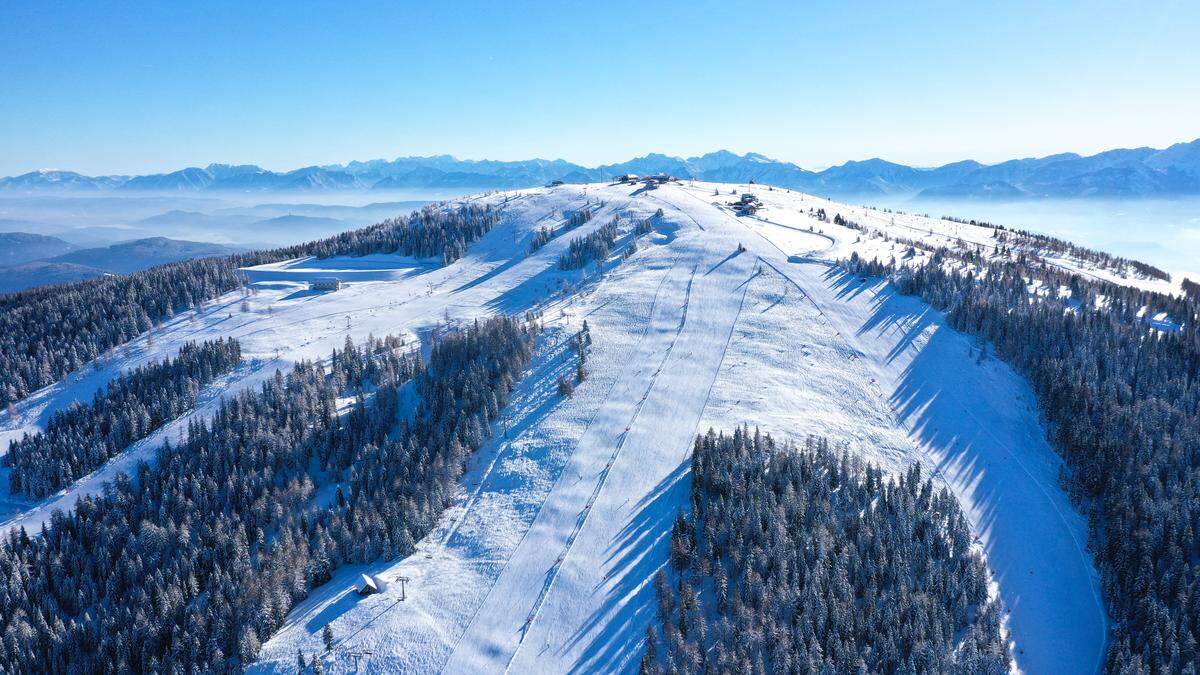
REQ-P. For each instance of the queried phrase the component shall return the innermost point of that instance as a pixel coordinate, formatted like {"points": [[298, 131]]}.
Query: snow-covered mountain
{"points": [[698, 317], [1138, 172], [60, 180]]}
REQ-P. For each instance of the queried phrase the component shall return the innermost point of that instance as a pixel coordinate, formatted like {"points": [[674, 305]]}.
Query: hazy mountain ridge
{"points": [[78, 264], [44, 273], [139, 254], [1136, 172], [22, 247]]}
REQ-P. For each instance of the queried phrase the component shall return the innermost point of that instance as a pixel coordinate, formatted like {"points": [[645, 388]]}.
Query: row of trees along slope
{"points": [[193, 563], [133, 406], [1122, 404], [802, 560], [48, 332]]}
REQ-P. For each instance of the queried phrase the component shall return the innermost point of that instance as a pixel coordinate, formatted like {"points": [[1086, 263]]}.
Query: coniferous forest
{"points": [[790, 559], [1122, 406], [573, 219], [134, 405], [192, 563], [593, 247], [50, 331], [803, 560]]}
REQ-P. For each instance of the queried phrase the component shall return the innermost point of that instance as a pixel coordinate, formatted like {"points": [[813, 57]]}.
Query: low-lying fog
{"points": [[1164, 233], [246, 221]]}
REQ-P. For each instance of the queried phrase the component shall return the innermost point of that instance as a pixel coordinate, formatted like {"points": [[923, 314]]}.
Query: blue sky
{"points": [[108, 87]]}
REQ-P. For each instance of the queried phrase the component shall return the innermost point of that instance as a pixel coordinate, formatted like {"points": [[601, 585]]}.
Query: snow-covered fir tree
{"points": [[191, 564], [803, 560], [1122, 402]]}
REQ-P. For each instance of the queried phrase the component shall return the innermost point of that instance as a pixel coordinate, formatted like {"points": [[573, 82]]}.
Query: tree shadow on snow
{"points": [[635, 556], [848, 285], [531, 403], [976, 423], [891, 311]]}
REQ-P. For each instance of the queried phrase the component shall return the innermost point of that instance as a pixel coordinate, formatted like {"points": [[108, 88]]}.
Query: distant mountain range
{"points": [[1138, 172], [76, 264]]}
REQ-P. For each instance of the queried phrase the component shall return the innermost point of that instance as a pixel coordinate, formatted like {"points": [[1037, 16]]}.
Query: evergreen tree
{"points": [[804, 560], [134, 405], [195, 560], [1122, 402], [50, 331]]}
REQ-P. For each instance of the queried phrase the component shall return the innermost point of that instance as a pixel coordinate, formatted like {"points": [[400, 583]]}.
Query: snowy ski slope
{"points": [[543, 563]]}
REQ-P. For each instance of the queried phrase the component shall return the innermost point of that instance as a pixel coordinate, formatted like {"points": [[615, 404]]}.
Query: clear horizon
{"points": [[140, 88], [585, 165]]}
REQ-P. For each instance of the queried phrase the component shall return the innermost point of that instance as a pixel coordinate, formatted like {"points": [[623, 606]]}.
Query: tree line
{"points": [[1122, 406], [1032, 242], [592, 247], [1191, 289], [48, 332], [79, 439], [803, 560], [193, 562], [574, 219]]}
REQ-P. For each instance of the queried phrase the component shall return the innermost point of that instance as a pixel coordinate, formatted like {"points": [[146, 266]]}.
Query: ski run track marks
{"points": [[544, 562]]}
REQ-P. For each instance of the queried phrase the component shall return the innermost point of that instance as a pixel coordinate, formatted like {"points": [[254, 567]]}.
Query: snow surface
{"points": [[544, 562]]}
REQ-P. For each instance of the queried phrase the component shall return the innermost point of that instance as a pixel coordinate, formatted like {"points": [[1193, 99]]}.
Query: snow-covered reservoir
{"points": [[544, 562]]}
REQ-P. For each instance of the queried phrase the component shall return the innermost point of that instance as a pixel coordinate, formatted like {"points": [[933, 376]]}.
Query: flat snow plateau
{"points": [[544, 562]]}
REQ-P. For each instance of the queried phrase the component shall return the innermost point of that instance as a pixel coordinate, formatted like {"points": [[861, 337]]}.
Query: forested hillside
{"points": [[79, 439], [238, 540], [191, 564], [1123, 404], [48, 332], [583, 250], [805, 560]]}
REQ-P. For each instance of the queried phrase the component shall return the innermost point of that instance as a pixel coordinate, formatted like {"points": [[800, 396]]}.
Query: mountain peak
{"points": [[1173, 170]]}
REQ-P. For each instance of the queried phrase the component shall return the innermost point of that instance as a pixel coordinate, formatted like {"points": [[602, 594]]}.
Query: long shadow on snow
{"points": [[925, 402], [849, 286], [636, 555], [491, 274], [344, 603], [925, 393], [964, 414], [499, 245], [515, 255], [892, 311], [542, 285], [525, 295], [304, 293], [722, 261]]}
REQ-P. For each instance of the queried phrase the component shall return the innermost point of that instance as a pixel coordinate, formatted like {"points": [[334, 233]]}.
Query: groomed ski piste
{"points": [[544, 563]]}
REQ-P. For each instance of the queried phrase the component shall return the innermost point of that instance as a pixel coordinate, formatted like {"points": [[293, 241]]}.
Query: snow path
{"points": [[1033, 538], [603, 595], [638, 349], [1002, 470], [603, 476], [544, 561], [569, 589]]}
